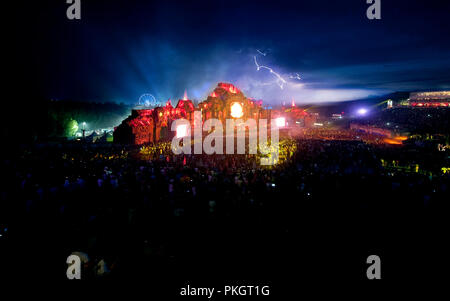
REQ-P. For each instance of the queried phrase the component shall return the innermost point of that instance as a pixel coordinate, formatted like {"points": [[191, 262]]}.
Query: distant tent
{"points": [[91, 137], [110, 137], [106, 137]]}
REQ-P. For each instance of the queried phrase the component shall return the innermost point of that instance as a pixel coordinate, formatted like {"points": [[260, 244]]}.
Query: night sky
{"points": [[120, 50]]}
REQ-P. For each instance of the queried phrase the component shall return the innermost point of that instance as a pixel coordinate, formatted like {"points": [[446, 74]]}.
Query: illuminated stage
{"points": [[225, 102]]}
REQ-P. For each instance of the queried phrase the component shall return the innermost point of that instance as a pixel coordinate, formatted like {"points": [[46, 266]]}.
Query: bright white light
{"points": [[236, 110], [182, 130], [362, 111], [280, 122]]}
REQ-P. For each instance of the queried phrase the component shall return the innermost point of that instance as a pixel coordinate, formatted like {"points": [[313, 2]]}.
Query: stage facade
{"points": [[226, 101]]}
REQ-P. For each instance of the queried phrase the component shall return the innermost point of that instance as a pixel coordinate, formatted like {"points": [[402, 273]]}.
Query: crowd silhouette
{"points": [[130, 213]]}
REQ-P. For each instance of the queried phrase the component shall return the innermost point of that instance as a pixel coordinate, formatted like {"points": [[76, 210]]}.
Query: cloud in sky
{"points": [[122, 49]]}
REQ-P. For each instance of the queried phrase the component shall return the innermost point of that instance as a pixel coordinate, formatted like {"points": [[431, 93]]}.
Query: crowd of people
{"points": [[130, 213], [342, 134]]}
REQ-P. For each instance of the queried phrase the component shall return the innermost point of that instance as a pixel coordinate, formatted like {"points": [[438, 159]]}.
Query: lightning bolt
{"points": [[295, 76], [280, 80], [262, 53]]}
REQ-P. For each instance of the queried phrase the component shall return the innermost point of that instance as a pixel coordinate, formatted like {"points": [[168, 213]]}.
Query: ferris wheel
{"points": [[147, 100]]}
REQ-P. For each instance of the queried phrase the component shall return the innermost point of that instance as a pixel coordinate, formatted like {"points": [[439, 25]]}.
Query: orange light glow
{"points": [[401, 138], [392, 141]]}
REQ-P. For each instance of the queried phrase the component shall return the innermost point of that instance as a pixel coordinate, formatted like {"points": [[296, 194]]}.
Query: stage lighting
{"points": [[362, 111], [280, 122], [236, 110], [182, 130]]}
